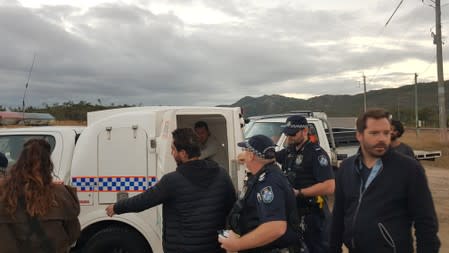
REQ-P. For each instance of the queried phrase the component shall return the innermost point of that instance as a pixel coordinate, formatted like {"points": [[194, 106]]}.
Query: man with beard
{"points": [[397, 129], [310, 173], [196, 199], [380, 194]]}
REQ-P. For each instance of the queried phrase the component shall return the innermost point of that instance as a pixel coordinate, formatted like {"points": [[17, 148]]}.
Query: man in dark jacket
{"points": [[380, 194], [397, 129], [196, 199]]}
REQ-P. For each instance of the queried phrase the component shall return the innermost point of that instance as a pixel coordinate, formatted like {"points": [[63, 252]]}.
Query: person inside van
{"points": [[208, 143]]}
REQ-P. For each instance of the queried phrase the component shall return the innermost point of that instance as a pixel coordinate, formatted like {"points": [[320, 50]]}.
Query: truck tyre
{"points": [[116, 240]]}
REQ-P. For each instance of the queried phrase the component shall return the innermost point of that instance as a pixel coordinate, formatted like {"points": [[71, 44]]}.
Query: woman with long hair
{"points": [[36, 215]]}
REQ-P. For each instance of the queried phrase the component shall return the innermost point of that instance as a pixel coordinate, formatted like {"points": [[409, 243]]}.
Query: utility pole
{"points": [[416, 105], [441, 95], [364, 93]]}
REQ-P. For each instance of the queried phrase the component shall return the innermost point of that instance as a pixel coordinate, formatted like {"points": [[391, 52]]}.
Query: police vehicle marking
{"points": [[113, 183]]}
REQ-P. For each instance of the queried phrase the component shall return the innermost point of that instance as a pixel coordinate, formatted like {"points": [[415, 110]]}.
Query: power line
{"points": [[394, 12]]}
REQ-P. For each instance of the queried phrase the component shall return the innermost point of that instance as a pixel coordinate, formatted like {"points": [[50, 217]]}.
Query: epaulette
{"points": [[262, 177]]}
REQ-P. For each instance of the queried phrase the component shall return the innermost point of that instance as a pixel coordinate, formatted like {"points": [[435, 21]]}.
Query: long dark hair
{"points": [[30, 178]]}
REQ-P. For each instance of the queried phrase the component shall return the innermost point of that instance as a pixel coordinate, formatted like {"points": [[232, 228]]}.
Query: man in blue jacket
{"points": [[380, 194]]}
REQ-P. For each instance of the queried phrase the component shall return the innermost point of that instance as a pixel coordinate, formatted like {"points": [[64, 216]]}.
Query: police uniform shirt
{"points": [[311, 163], [270, 199]]}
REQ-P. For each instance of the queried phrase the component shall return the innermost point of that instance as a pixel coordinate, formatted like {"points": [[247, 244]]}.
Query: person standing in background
{"points": [[36, 215], [397, 129]]}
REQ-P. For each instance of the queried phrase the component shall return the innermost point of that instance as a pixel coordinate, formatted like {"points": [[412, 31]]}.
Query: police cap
{"points": [[294, 124], [260, 145]]}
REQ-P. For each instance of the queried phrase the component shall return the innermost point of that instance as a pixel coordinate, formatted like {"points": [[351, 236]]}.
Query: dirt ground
{"points": [[439, 185]]}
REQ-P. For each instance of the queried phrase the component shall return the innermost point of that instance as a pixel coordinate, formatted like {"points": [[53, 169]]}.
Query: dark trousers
{"points": [[316, 235]]}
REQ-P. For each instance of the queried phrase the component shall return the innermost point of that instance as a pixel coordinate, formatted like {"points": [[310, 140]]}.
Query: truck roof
{"points": [[98, 115], [77, 129], [306, 114]]}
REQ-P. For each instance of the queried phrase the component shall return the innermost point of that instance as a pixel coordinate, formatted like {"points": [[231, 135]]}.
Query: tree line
{"points": [[69, 110]]}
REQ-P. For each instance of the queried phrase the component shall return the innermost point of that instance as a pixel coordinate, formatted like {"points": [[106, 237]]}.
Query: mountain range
{"points": [[398, 101]]}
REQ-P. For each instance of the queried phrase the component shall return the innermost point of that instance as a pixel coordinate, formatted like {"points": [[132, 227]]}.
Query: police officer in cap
{"points": [[307, 167], [263, 219]]}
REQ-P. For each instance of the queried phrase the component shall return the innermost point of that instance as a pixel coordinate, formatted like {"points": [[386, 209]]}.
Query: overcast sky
{"points": [[210, 52]]}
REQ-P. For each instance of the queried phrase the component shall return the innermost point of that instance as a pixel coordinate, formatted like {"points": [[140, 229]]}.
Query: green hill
{"points": [[399, 101]]}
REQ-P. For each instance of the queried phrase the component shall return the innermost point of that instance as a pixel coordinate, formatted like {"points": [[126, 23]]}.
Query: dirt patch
{"points": [[439, 185], [428, 140]]}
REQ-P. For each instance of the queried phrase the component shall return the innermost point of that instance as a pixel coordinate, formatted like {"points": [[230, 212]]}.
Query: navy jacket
{"points": [[379, 219], [196, 199]]}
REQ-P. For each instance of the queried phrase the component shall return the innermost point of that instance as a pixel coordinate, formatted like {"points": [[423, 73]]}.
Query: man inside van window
{"points": [[208, 143]]}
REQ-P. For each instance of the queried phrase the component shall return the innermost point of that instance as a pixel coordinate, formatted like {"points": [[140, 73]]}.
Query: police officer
{"points": [[308, 169], [263, 219]]}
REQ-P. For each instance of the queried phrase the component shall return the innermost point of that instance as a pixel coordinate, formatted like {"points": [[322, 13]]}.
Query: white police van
{"points": [[120, 153]]}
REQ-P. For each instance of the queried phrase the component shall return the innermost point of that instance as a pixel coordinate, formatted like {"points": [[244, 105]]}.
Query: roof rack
{"points": [[303, 113]]}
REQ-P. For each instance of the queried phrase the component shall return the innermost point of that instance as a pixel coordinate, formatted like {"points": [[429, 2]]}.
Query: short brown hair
{"points": [[186, 139], [375, 113]]}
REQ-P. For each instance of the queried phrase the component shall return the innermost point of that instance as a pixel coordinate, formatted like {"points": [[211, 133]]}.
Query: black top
{"points": [[269, 199], [196, 199], [404, 149], [310, 164], [399, 196]]}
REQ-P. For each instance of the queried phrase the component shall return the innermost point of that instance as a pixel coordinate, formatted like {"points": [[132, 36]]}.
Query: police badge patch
{"points": [[267, 195], [322, 159]]}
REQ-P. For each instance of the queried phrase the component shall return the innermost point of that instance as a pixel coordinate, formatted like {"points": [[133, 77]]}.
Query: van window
{"points": [[12, 145], [218, 129]]}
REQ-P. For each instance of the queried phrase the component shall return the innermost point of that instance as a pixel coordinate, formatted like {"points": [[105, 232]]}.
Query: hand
{"points": [[110, 210], [231, 243], [296, 191]]}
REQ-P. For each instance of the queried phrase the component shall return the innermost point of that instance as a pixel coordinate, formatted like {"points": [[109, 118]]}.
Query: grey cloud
{"points": [[127, 54]]}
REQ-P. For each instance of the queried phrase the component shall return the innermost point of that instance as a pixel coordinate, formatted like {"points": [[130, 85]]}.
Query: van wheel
{"points": [[116, 240]]}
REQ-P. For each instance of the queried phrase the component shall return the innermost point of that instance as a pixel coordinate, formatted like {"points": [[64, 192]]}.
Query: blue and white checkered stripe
{"points": [[113, 183], [84, 184]]}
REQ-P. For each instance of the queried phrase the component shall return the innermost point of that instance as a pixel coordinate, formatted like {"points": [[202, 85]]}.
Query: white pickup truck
{"points": [[339, 144], [120, 153]]}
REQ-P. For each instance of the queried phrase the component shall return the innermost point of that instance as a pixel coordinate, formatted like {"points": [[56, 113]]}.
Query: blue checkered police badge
{"points": [[267, 195], [322, 159]]}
